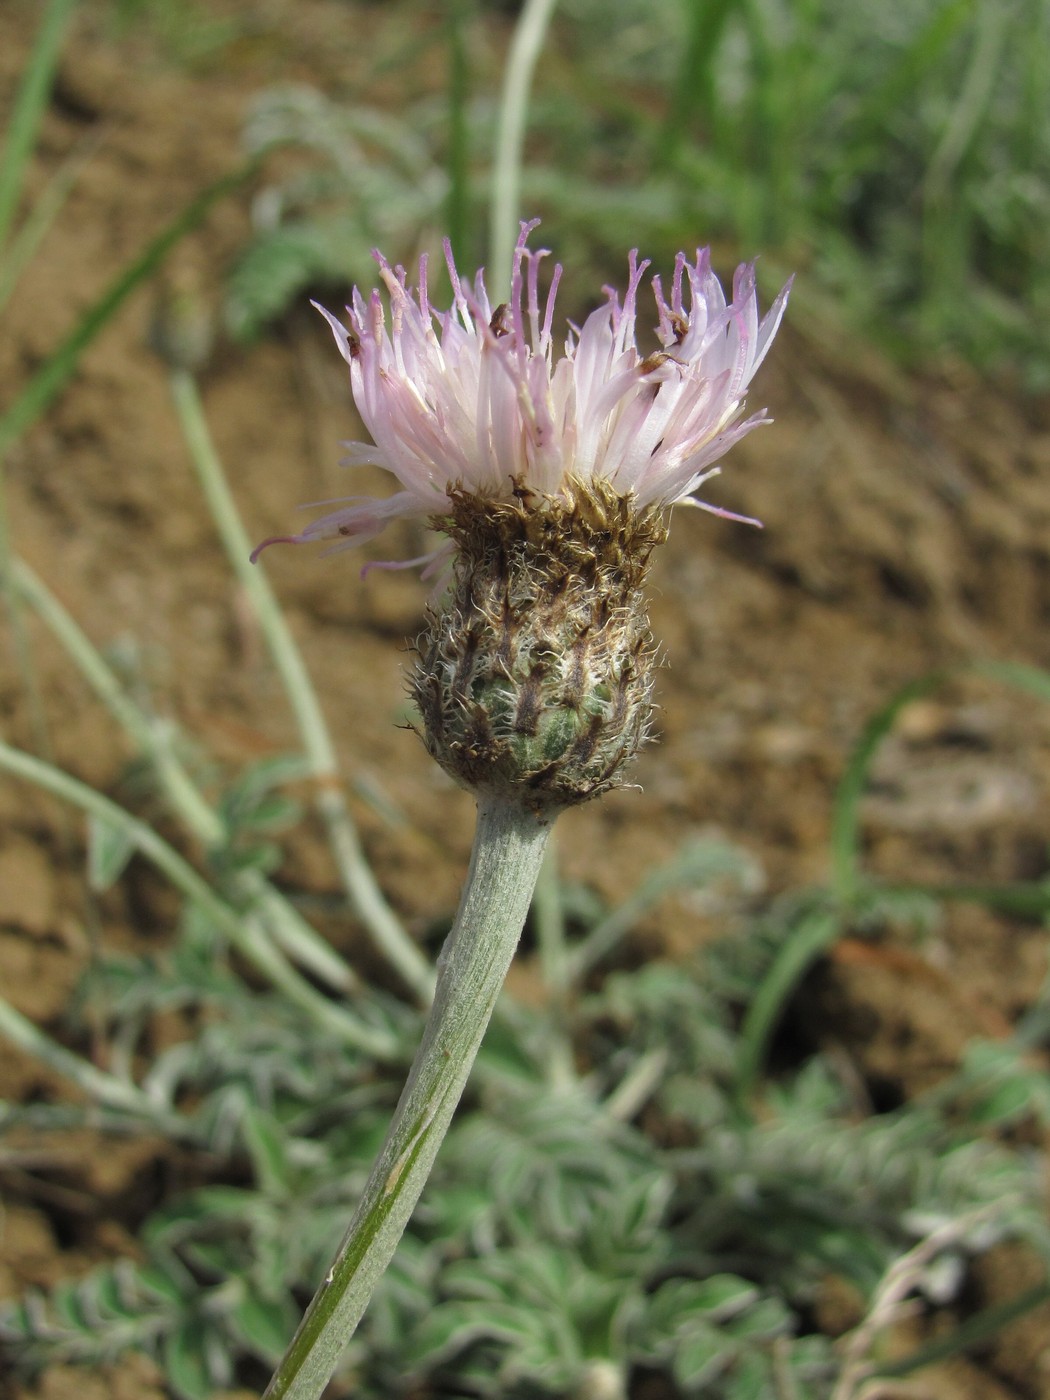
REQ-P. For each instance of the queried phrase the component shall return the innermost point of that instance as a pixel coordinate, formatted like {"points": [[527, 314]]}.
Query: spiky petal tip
{"points": [[475, 398]]}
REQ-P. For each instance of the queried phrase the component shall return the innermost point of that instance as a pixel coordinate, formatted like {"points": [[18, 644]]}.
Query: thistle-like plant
{"points": [[551, 478]]}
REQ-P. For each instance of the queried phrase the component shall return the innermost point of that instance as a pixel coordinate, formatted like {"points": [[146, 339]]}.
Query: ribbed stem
{"points": [[508, 851]]}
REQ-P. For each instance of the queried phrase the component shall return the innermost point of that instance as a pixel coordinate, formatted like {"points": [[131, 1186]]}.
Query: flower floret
{"points": [[474, 399]]}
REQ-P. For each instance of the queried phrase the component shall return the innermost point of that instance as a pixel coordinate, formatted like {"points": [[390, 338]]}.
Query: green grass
{"points": [[899, 158]]}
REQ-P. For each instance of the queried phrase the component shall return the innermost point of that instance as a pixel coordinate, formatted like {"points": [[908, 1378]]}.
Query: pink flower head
{"points": [[476, 398]]}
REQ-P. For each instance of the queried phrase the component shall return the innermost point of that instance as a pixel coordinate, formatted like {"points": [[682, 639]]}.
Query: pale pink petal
{"points": [[474, 396]]}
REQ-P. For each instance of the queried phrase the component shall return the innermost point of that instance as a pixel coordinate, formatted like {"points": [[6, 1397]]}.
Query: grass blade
{"points": [[845, 827], [38, 220], [845, 822], [811, 936], [458, 204], [1022, 899], [1031, 679], [694, 90], [29, 109], [53, 376], [968, 1334]]}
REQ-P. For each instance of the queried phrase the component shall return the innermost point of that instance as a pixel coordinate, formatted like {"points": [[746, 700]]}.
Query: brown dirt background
{"points": [[907, 526]]}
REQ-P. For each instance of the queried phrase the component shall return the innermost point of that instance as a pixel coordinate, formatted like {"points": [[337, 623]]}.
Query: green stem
{"points": [[508, 851], [524, 52], [637, 1086], [39, 219], [149, 736], [362, 889], [458, 203], [242, 930], [549, 923], [23, 652], [29, 108]]}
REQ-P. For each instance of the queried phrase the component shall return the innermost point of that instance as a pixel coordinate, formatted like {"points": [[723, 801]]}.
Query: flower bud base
{"points": [[535, 678]]}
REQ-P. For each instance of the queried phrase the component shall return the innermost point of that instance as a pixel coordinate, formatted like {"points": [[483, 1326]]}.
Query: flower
{"points": [[474, 400], [551, 479]]}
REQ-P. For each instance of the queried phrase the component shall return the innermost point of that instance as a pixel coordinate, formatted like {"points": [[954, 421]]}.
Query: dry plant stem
{"points": [[154, 739], [360, 884], [508, 851], [891, 1303]]}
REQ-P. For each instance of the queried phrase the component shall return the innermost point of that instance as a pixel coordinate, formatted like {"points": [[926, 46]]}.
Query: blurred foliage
{"points": [[644, 1218], [675, 1206], [374, 180], [899, 158]]}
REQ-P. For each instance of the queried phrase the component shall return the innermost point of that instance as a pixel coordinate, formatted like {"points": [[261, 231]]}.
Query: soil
{"points": [[907, 526]]}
